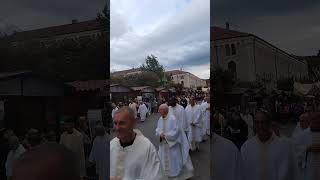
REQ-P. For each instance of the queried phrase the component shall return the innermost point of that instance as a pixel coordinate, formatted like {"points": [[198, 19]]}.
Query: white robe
{"points": [[205, 118], [99, 155], [249, 121], [74, 142], [133, 106], [175, 160], [139, 161], [11, 158], [302, 139], [180, 114], [114, 111], [272, 160], [225, 159], [143, 110], [193, 114]]}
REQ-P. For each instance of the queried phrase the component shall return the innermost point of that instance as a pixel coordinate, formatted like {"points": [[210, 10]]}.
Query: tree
{"points": [[152, 65], [222, 82]]}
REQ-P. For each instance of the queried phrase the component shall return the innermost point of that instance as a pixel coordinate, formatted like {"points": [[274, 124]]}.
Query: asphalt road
{"points": [[200, 160]]}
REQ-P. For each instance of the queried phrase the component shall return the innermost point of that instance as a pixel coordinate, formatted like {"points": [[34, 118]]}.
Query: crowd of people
{"points": [[184, 123], [248, 144], [90, 153]]}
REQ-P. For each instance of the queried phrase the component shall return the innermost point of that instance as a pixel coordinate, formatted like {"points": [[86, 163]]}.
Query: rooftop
{"points": [[218, 33], [75, 27]]}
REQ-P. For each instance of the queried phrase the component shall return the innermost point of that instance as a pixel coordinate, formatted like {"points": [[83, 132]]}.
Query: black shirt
{"points": [[128, 143]]}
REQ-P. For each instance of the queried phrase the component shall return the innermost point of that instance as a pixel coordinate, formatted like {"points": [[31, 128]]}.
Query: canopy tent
{"points": [[306, 89]]}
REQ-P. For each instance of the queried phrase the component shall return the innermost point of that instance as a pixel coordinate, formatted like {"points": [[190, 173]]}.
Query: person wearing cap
{"points": [[73, 140]]}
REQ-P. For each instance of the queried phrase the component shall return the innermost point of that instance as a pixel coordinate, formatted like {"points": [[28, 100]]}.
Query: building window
{"points": [[182, 77], [182, 83], [227, 49], [233, 49]]}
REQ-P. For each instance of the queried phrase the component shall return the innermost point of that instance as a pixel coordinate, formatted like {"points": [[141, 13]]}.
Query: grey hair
{"points": [[164, 106], [126, 109]]}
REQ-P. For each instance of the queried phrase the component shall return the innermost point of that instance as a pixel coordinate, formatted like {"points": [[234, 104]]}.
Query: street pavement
{"points": [[200, 160]]}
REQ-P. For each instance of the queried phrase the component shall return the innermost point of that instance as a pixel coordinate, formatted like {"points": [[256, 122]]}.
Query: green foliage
{"points": [[141, 79], [152, 65]]}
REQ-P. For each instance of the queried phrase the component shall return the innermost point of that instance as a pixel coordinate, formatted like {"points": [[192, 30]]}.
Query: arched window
{"points": [[227, 50], [233, 49]]}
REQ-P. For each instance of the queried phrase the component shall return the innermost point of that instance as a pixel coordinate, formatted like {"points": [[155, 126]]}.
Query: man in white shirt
{"points": [[266, 156], [205, 117], [174, 147], [303, 124], [132, 155], [16, 150], [193, 114], [225, 159]]}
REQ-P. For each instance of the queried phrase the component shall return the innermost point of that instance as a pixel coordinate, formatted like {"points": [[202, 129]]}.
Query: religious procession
{"points": [[269, 136], [160, 141]]}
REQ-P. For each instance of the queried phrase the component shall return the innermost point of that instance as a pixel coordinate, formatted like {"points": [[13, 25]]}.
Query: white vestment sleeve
{"points": [[173, 133], [152, 168]]}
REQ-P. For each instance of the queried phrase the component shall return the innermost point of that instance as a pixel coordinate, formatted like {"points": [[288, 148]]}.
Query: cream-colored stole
{"points": [[166, 149]]}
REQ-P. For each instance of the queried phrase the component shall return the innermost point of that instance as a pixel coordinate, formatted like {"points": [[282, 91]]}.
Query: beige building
{"points": [[187, 79], [251, 58]]}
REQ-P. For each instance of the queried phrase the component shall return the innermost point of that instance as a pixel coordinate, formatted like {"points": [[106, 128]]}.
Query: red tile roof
{"points": [[217, 33], [90, 85], [90, 25]]}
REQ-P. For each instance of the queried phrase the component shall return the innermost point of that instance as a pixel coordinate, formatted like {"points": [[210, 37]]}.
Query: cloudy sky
{"points": [[33, 14], [292, 25], [175, 31]]}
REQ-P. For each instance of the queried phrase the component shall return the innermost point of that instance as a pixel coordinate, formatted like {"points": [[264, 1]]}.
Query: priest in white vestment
{"points": [[174, 147], [133, 106], [225, 159], [249, 121], [143, 110], [193, 114], [16, 150], [205, 118], [302, 139], [73, 140], [267, 156], [132, 155], [312, 170], [99, 153], [178, 111], [114, 109]]}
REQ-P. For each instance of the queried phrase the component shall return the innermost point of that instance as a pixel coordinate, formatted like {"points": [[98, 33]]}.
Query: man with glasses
{"points": [[266, 156]]}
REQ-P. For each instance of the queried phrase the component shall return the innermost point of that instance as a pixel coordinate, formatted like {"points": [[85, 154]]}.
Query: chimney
{"points": [[227, 25], [74, 21]]}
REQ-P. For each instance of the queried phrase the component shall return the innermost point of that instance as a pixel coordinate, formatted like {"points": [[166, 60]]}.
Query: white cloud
{"points": [[176, 31]]}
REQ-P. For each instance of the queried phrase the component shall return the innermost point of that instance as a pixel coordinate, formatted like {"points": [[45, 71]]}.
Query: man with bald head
{"points": [[173, 147], [132, 155], [49, 161]]}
